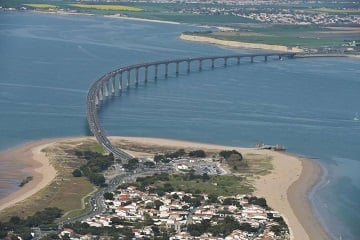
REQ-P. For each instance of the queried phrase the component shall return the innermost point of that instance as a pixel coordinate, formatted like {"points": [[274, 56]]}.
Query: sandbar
{"points": [[239, 44]]}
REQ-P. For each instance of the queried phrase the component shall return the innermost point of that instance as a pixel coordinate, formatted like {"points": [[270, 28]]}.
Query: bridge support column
{"points": [[128, 79], [225, 62], [166, 69], [200, 65], [136, 76], [146, 73], [106, 89], [188, 66], [280, 57], [177, 69], [212, 63], [252, 59], [156, 72], [120, 81], [265, 58], [113, 85], [238, 60], [101, 94]]}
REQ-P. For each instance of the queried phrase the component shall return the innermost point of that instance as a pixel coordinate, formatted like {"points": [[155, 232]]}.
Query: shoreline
{"points": [[239, 44], [31, 161], [293, 177]]}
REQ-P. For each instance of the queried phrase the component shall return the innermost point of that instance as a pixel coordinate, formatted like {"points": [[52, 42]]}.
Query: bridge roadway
{"points": [[100, 88]]}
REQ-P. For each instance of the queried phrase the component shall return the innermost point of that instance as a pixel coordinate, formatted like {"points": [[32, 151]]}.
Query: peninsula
{"points": [[292, 176]]}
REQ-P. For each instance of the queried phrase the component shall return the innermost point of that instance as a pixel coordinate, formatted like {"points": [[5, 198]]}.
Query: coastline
{"points": [[239, 44], [31, 161], [293, 178]]}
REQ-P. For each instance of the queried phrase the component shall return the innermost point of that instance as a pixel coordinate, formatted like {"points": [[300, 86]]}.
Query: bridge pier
{"points": [[225, 62], [265, 58], [146, 73], [177, 69], [137, 76], [212, 63], [120, 81], [166, 69], [252, 59], [156, 72], [106, 89], [113, 85], [200, 65], [238, 61], [101, 93], [128, 79], [188, 66]]}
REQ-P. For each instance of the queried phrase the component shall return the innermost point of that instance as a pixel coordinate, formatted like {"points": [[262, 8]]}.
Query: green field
{"points": [[41, 5], [106, 7], [291, 36]]}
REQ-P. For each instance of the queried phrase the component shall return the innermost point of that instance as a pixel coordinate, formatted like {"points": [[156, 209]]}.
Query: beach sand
{"points": [[31, 162], [285, 188], [239, 44]]}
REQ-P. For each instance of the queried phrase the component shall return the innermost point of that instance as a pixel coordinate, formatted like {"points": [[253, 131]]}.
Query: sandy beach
{"points": [[285, 188], [31, 162], [239, 44]]}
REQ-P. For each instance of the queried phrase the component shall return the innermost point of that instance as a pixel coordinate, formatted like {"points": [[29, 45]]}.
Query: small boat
{"points": [[356, 118], [276, 147]]}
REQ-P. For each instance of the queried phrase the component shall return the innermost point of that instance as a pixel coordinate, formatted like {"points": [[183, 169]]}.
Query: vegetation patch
{"points": [[64, 186], [189, 182], [41, 5], [107, 7]]}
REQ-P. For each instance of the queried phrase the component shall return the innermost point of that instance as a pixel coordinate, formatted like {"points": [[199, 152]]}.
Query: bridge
{"points": [[106, 85]]}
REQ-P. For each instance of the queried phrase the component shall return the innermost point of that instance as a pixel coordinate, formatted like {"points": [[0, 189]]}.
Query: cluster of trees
{"points": [[132, 164], [258, 201], [115, 233], [22, 227], [177, 154], [223, 227], [143, 182], [231, 155], [96, 163]]}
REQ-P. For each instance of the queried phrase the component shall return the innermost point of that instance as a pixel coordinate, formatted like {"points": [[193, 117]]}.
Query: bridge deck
{"points": [[91, 99]]}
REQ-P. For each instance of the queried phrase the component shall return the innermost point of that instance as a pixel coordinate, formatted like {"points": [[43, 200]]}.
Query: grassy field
{"points": [[106, 7], [302, 36], [41, 5], [218, 185], [333, 11]]}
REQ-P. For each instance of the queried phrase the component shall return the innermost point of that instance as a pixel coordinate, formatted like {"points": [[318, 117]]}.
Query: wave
{"points": [[44, 87]]}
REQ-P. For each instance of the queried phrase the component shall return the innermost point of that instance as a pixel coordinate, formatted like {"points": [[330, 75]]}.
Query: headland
{"points": [[285, 188]]}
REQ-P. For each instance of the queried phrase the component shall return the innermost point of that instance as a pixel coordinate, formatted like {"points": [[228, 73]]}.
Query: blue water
{"points": [[47, 63]]}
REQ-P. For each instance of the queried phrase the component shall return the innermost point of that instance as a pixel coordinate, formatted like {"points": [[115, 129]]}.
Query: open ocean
{"points": [[48, 62]]}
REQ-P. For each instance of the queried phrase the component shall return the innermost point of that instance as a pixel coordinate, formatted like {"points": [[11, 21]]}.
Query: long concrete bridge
{"points": [[106, 85]]}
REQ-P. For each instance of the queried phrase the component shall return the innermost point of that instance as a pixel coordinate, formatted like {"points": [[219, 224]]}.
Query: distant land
{"points": [[325, 27]]}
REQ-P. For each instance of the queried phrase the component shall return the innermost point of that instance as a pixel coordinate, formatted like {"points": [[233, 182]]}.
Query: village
{"points": [[150, 207], [181, 215]]}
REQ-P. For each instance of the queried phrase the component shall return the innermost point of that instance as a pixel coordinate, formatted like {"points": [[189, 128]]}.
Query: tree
{"points": [[132, 164], [197, 153], [148, 221], [77, 173], [158, 203], [109, 196], [231, 155]]}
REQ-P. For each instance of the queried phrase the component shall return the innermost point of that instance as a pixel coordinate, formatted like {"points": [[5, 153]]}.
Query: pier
{"points": [[106, 85]]}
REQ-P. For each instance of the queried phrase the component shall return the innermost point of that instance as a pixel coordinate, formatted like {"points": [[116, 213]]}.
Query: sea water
{"points": [[48, 62]]}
